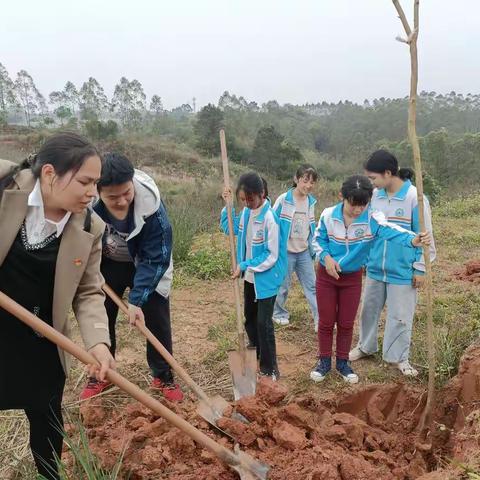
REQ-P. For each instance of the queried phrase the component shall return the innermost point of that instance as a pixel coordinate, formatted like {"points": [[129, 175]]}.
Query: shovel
{"points": [[210, 408], [243, 362], [246, 466]]}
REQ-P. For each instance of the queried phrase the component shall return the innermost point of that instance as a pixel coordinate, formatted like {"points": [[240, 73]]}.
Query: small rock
{"points": [[271, 392], [289, 436]]}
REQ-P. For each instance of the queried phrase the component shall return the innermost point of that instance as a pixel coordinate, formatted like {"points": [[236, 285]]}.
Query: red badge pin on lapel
{"points": [[77, 262]]}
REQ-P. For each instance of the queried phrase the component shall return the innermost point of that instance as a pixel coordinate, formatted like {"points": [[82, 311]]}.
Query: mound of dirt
{"points": [[471, 272], [370, 434]]}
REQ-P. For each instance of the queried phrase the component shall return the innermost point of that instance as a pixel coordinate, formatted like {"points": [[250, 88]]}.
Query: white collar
{"points": [[35, 201]]}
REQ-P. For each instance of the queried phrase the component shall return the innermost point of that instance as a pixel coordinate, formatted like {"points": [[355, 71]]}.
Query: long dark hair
{"points": [[357, 190], [382, 160], [65, 151]]}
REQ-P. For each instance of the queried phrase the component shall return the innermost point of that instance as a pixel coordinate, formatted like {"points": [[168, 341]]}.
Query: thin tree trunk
{"points": [[412, 37]]}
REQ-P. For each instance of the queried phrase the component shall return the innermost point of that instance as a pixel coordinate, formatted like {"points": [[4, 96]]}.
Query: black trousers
{"points": [[259, 327], [46, 437], [119, 276]]}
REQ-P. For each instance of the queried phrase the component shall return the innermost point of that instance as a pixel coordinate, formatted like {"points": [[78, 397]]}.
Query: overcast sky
{"points": [[294, 51]]}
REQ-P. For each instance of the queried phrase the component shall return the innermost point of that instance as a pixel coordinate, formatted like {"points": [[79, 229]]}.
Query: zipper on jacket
{"points": [[385, 248], [384, 259], [346, 244]]}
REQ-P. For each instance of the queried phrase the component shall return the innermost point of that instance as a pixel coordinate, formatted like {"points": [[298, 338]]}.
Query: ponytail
{"points": [[406, 173], [265, 187], [7, 180]]}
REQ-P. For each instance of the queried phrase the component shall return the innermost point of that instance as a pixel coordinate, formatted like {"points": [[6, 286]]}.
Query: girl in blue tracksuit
{"points": [[296, 211], [343, 240], [261, 259], [393, 273]]}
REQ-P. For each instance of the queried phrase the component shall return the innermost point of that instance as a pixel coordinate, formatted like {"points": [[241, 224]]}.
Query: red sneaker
{"points": [[93, 387], [171, 391]]}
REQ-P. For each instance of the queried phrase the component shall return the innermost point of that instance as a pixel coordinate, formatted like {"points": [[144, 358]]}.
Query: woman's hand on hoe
{"points": [[332, 267], [135, 315], [102, 354]]}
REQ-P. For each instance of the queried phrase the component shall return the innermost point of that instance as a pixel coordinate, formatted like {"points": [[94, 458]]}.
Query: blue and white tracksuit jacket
{"points": [[224, 220], [235, 219], [392, 263], [268, 260], [350, 246], [285, 209]]}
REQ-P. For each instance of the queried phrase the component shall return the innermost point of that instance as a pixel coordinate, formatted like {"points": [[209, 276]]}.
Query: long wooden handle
{"points": [[231, 237], [66, 344], [169, 358]]}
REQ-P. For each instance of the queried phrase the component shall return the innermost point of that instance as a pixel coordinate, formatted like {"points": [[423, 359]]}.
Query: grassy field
{"points": [[203, 313]]}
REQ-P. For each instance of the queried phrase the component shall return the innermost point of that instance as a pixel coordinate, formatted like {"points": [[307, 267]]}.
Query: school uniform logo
{"points": [[399, 212], [359, 232], [258, 238]]}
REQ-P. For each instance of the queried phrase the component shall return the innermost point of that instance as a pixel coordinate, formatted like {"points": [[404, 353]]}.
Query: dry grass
{"points": [[203, 325]]}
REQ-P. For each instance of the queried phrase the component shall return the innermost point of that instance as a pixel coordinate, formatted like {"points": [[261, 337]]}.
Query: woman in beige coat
{"points": [[50, 250]]}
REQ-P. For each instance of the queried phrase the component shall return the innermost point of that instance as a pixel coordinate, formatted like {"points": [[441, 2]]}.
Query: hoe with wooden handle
{"points": [[210, 408], [243, 362], [246, 466]]}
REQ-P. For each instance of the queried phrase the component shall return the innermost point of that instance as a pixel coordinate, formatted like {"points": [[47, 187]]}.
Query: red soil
{"points": [[368, 435], [471, 272]]}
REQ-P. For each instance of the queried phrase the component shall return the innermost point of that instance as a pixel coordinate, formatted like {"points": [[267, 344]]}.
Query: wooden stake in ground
{"points": [[411, 41]]}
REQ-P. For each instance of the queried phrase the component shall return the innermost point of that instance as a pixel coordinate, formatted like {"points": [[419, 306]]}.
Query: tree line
{"points": [[336, 137]]}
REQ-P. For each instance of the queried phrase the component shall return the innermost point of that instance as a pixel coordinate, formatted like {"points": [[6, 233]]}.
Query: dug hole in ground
{"points": [[370, 434]]}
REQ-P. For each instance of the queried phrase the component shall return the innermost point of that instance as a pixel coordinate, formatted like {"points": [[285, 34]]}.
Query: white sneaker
{"points": [[281, 321], [407, 369], [321, 370], [356, 354]]}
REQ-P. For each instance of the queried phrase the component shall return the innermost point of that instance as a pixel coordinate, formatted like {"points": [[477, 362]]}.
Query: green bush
{"points": [[184, 225], [208, 259], [193, 208]]}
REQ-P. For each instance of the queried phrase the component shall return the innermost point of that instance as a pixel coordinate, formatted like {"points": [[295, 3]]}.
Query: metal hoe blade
{"points": [[248, 468], [213, 410], [244, 372]]}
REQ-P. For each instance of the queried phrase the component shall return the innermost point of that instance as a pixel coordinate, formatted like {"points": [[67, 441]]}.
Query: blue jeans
{"points": [[302, 264], [401, 301]]}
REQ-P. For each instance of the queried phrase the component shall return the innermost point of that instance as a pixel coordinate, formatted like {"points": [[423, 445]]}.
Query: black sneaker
{"points": [[345, 370], [273, 376], [323, 367]]}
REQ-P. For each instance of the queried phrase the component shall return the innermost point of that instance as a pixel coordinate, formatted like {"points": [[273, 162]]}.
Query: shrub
{"points": [[208, 258]]}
